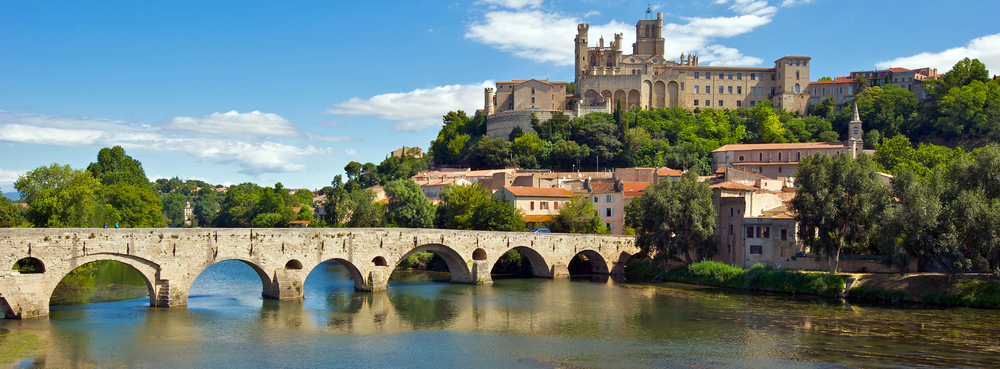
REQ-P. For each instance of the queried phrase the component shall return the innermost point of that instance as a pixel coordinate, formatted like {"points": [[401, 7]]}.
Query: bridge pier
{"points": [[377, 279], [286, 284], [560, 270], [481, 272]]}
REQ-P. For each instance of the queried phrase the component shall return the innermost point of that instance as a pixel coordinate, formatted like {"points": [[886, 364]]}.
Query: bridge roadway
{"points": [[171, 258]]}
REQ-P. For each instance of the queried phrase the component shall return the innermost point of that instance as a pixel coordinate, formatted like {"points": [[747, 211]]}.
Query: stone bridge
{"points": [[171, 258]]}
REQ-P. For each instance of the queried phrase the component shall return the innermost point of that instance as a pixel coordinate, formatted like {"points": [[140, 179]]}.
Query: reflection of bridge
{"points": [[171, 259]]}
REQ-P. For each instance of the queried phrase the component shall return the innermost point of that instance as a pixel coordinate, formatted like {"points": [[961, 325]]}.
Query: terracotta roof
{"points": [[729, 185], [602, 187], [835, 80], [306, 222], [782, 146], [900, 70], [721, 170], [538, 191], [667, 172], [537, 218], [766, 163], [633, 189]]}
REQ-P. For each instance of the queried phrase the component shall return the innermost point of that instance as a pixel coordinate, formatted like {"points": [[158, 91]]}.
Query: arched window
{"points": [[647, 30], [779, 156], [610, 61], [760, 156], [593, 61], [797, 89]]}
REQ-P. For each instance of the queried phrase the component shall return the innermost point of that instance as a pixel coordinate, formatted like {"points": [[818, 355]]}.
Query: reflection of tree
{"points": [[344, 301], [423, 313]]}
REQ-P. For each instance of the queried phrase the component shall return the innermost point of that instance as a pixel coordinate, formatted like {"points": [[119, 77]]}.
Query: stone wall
{"points": [[171, 259]]}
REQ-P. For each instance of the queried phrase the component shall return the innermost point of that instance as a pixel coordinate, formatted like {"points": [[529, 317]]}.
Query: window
{"points": [[682, 86], [597, 199], [722, 89], [779, 156], [789, 63], [708, 89], [609, 198], [796, 63], [532, 90], [760, 156], [695, 89], [741, 157], [779, 169], [840, 90], [532, 99], [739, 103], [722, 76], [696, 103], [784, 235], [850, 90], [824, 90], [753, 76], [731, 212], [730, 89], [763, 232], [608, 212], [760, 90], [531, 205], [739, 76], [814, 92], [772, 91], [739, 90], [756, 249], [730, 76], [796, 74], [555, 204], [855, 131], [720, 102], [772, 76], [730, 229], [696, 75], [610, 227], [708, 102], [796, 89], [798, 156], [708, 75], [760, 76], [749, 232], [752, 103], [543, 205]]}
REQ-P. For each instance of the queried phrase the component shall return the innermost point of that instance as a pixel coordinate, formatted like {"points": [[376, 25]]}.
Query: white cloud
{"points": [[252, 158], [591, 14], [351, 152], [233, 122], [986, 49], [514, 4], [7, 178], [545, 37], [794, 2], [418, 109]]}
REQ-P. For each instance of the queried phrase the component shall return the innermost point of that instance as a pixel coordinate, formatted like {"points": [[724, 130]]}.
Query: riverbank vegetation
{"points": [[758, 278], [978, 291]]}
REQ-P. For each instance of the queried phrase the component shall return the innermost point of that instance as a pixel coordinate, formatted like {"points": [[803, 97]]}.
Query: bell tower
{"points": [[855, 142], [582, 49]]}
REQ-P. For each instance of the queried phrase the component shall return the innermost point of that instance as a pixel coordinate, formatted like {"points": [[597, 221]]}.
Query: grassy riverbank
{"points": [[972, 291], [758, 278]]}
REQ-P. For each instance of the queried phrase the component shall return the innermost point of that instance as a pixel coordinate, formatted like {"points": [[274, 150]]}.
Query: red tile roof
{"points": [[782, 146], [835, 80], [728, 185], [667, 172], [633, 189], [538, 191], [537, 218]]}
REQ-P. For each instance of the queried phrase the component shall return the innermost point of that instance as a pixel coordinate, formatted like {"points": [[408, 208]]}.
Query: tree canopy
{"points": [[674, 219]]}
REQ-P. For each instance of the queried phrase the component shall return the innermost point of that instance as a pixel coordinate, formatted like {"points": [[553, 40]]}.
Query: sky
{"points": [[291, 91]]}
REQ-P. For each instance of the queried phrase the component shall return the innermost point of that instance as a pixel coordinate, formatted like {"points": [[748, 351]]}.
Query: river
{"points": [[425, 322]]}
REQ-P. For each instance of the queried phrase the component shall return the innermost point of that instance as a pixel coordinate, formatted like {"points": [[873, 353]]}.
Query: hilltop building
{"points": [[605, 76]]}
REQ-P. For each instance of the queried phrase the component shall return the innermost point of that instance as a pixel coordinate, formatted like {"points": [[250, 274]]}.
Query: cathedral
{"points": [[605, 76]]}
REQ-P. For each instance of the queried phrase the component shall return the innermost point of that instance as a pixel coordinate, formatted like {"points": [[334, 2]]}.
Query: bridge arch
{"points": [[29, 265], [358, 278], [591, 259], [148, 269], [5, 308], [460, 272], [267, 287], [539, 267]]}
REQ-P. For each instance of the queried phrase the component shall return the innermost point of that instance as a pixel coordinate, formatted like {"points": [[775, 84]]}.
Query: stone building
{"points": [[647, 79], [605, 76], [539, 205]]}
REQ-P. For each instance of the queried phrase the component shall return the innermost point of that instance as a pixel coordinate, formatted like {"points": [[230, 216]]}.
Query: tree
{"points": [[59, 196], [838, 203], [566, 154], [10, 214], [363, 211], [113, 166], [600, 135], [489, 153], [173, 208], [515, 133], [961, 74], [497, 215], [408, 206], [240, 207], [577, 216], [675, 218], [458, 203]]}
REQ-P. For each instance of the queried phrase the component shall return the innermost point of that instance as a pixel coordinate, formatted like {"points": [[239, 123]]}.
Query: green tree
{"points": [[961, 74], [59, 196], [496, 215], [490, 153], [408, 206], [10, 214], [577, 216], [458, 203], [363, 211], [674, 218], [838, 203], [113, 166], [173, 208], [240, 206]]}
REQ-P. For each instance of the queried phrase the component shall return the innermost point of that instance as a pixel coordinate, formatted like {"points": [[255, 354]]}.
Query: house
{"points": [[539, 205]]}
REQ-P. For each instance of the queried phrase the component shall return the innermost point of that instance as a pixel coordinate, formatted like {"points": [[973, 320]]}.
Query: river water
{"points": [[425, 322]]}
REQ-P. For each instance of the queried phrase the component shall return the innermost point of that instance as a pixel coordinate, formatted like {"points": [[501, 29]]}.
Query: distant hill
{"points": [[12, 195]]}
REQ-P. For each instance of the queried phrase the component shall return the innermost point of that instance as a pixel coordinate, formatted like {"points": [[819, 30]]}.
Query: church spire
{"points": [[856, 117], [855, 141]]}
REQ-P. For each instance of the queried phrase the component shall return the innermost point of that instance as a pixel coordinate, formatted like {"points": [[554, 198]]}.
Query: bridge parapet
{"points": [[170, 259]]}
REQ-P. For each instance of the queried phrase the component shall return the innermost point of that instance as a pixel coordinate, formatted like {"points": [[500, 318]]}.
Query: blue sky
{"points": [[265, 92]]}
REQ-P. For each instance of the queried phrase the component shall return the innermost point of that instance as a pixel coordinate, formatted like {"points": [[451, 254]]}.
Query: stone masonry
{"points": [[170, 259]]}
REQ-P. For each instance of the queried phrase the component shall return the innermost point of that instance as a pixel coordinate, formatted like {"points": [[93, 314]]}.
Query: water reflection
{"points": [[588, 322]]}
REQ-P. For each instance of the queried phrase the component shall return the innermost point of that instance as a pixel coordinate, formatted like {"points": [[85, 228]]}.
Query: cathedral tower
{"points": [[649, 36]]}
